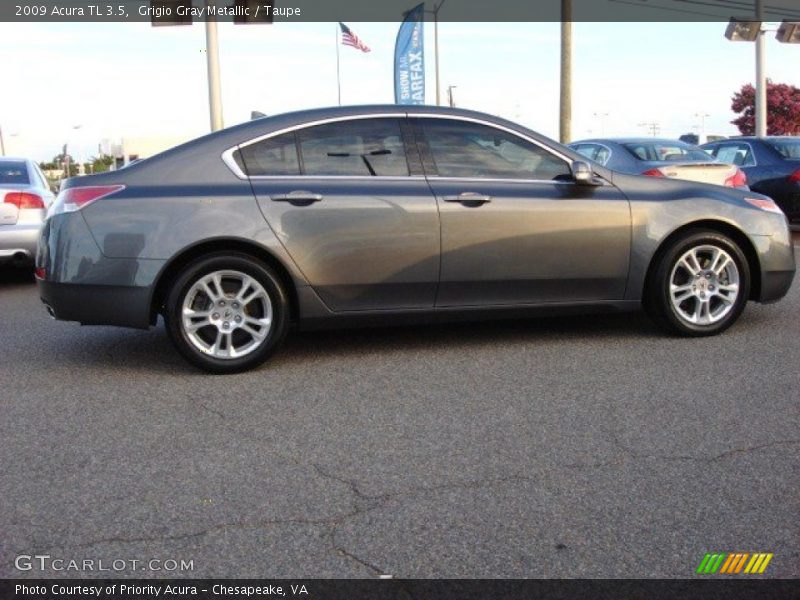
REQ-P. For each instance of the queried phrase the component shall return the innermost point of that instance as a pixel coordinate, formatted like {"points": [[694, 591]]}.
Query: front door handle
{"points": [[470, 199], [298, 198]]}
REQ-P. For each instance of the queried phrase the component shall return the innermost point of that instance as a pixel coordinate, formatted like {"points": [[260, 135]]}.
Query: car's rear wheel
{"points": [[226, 313], [700, 285]]}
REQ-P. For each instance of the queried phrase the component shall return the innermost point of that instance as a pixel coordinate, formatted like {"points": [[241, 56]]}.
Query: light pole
{"points": [[212, 60], [2, 143], [702, 117], [565, 118]]}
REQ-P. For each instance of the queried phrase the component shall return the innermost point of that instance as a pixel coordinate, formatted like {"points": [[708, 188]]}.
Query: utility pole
{"points": [[565, 119], [212, 57], [653, 127], [761, 74]]}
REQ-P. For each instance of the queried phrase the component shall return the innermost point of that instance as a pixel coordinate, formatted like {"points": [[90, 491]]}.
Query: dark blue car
{"points": [[660, 158], [772, 166]]}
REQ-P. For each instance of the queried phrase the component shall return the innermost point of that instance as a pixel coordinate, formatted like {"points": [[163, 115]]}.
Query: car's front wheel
{"points": [[700, 285], [226, 313]]}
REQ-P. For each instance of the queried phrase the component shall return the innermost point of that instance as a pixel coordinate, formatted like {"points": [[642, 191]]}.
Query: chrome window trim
{"points": [[227, 155], [544, 147]]}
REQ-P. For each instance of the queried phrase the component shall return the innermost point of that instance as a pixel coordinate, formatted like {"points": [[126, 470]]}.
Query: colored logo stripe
{"points": [[734, 562]]}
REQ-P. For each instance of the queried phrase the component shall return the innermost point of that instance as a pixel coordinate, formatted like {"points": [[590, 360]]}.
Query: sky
{"points": [[117, 80]]}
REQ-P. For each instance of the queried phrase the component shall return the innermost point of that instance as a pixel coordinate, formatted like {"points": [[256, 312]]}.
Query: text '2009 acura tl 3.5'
{"points": [[385, 211]]}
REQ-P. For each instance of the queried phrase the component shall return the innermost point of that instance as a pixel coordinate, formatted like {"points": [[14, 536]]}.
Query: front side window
{"points": [[273, 156], [472, 150], [364, 147]]}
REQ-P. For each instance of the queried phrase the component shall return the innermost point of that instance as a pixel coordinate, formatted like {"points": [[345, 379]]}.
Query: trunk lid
{"points": [[710, 172]]}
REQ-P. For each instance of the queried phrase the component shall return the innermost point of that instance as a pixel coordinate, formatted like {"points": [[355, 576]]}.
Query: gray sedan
{"points": [[24, 197], [386, 213]]}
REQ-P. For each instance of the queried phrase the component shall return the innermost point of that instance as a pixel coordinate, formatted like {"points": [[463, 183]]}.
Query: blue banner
{"points": [[409, 58]]}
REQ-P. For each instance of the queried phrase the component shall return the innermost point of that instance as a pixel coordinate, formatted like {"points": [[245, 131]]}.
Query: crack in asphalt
{"points": [[365, 502]]}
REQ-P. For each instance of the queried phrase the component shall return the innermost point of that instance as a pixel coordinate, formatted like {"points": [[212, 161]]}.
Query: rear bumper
{"points": [[97, 304], [776, 256], [81, 284], [18, 243]]}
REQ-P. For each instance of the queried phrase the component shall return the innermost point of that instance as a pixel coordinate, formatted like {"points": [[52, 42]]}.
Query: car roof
{"points": [[632, 140]]}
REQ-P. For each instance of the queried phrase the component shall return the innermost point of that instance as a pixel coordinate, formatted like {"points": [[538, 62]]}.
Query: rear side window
{"points": [[14, 171], [740, 155], [472, 150], [787, 148], [365, 147], [273, 156], [597, 153]]}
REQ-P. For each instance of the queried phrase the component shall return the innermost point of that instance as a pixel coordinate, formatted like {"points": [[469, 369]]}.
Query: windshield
{"points": [[14, 172], [667, 151], [787, 148]]}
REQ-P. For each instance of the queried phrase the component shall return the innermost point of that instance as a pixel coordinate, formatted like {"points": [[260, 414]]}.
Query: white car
{"points": [[25, 197]]}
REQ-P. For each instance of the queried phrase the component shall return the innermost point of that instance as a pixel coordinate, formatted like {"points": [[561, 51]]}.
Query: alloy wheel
{"points": [[704, 285], [226, 314]]}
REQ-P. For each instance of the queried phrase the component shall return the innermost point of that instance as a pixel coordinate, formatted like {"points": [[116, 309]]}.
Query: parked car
{"points": [[698, 139], [379, 213], [24, 197], [661, 158], [772, 166]]}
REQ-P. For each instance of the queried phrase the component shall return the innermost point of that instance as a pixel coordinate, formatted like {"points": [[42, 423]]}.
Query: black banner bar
{"points": [[400, 589], [183, 11]]}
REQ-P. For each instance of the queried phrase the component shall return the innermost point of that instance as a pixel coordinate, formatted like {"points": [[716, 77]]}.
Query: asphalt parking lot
{"points": [[569, 447]]}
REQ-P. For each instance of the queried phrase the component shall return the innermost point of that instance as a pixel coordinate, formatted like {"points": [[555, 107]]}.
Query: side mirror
{"points": [[582, 173]]}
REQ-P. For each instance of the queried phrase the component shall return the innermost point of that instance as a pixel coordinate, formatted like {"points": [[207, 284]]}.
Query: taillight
{"points": [[738, 179], [653, 173], [766, 204], [40, 273], [795, 177], [24, 200], [76, 198]]}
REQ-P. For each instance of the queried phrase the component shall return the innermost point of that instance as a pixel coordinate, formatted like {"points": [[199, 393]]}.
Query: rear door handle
{"points": [[298, 197], [471, 199]]}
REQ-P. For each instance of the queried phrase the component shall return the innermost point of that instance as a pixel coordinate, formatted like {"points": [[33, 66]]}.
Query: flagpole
{"points": [[338, 79]]}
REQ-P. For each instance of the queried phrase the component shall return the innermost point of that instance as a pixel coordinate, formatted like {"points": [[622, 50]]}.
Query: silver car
{"points": [[25, 197], [385, 212]]}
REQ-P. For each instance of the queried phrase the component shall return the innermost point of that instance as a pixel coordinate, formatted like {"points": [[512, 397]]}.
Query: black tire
{"points": [[228, 262], [658, 299]]}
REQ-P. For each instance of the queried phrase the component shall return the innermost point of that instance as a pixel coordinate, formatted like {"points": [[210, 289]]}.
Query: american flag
{"points": [[351, 39]]}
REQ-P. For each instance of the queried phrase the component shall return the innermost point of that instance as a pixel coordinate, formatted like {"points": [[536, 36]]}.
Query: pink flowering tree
{"points": [[783, 109]]}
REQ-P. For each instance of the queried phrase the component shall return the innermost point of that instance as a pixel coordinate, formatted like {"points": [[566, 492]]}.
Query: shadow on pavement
{"points": [[15, 276]]}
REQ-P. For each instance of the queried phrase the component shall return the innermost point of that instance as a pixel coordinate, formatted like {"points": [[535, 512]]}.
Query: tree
{"points": [[783, 109]]}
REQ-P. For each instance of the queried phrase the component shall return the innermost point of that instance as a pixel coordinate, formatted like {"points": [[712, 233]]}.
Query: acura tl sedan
{"points": [[369, 214]]}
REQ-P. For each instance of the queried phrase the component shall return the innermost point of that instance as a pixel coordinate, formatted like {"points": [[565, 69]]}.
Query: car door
{"points": [[352, 208], [516, 229]]}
